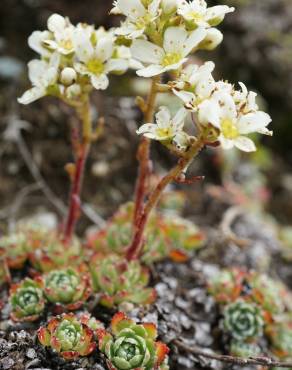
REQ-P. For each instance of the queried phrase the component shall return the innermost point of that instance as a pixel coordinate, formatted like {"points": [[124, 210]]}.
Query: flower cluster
{"points": [[164, 33], [68, 335], [132, 346], [73, 59]]}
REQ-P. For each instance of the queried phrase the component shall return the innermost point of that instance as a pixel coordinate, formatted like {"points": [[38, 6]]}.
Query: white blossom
{"points": [[166, 128], [96, 60], [62, 31], [222, 112], [139, 16], [199, 14], [213, 38], [177, 44], [195, 84], [42, 75], [36, 42]]}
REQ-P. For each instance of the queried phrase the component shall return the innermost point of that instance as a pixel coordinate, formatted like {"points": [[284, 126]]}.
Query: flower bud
{"points": [[68, 76], [212, 40], [169, 6]]}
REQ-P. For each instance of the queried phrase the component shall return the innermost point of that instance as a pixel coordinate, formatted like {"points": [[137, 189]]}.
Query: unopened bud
{"points": [[68, 76], [212, 40]]}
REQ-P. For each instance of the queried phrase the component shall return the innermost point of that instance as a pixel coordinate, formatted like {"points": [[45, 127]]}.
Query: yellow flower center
{"points": [[195, 16], [228, 129], [95, 66], [170, 58], [66, 44], [164, 132], [142, 22]]}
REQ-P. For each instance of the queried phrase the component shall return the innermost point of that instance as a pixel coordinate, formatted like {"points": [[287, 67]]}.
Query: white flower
{"points": [[62, 31], [166, 127], [221, 111], [195, 84], [138, 16], [177, 44], [198, 14], [96, 60], [42, 75], [246, 100]]}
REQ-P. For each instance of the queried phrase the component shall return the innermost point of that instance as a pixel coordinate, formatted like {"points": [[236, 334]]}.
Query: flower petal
{"points": [[152, 70], [117, 65], [31, 95], [56, 23], [131, 8], [99, 82], [146, 52], [35, 42], [254, 122], [82, 45], [163, 117], [193, 40], [174, 38], [245, 144], [178, 119], [105, 48]]}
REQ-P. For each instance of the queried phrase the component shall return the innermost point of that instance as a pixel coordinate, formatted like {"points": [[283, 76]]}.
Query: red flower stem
{"points": [[134, 250], [81, 154], [143, 155]]}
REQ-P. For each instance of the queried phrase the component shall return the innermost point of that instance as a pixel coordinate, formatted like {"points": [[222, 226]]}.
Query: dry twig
{"points": [[263, 361]]}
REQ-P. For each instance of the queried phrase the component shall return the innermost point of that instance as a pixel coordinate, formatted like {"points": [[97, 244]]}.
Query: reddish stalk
{"points": [[136, 246], [143, 155], [81, 150]]}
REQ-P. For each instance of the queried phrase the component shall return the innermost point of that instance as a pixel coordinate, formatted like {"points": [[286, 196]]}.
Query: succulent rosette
{"points": [[268, 293], [67, 288], [244, 349], [182, 236], [227, 285], [132, 346], [280, 335], [243, 320], [35, 233], [68, 336], [52, 254], [14, 247], [118, 280], [27, 300]]}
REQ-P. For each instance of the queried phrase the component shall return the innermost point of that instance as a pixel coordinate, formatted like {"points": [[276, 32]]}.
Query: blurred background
{"points": [[35, 143]]}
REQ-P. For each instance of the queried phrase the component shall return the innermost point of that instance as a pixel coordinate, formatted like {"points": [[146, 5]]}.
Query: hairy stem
{"points": [[143, 155], [134, 250], [81, 151]]}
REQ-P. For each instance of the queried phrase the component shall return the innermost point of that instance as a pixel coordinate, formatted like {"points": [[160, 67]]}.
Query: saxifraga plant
{"points": [[156, 39], [132, 346]]}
